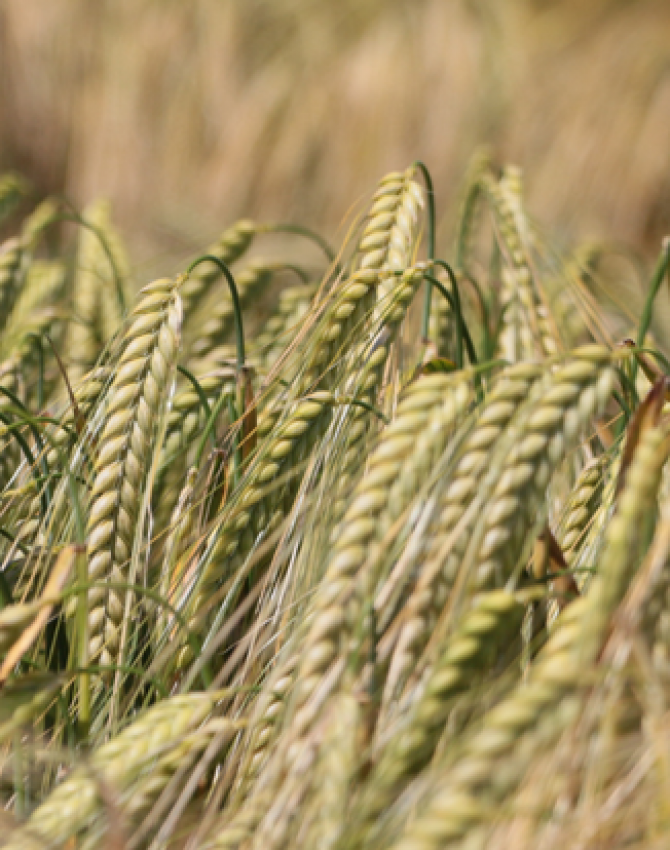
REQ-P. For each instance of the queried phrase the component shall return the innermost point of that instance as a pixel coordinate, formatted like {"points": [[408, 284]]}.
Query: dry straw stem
{"points": [[134, 767], [261, 502], [533, 717], [137, 395], [228, 248]]}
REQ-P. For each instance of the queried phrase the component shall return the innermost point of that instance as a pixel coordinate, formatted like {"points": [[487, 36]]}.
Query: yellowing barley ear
{"points": [[136, 399]]}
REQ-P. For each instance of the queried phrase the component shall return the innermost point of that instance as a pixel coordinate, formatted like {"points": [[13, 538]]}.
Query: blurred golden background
{"points": [[188, 115]]}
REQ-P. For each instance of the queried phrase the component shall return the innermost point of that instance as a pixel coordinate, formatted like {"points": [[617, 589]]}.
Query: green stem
{"points": [[239, 327], [80, 220], [209, 425], [655, 285], [40, 373], [301, 231], [430, 193]]}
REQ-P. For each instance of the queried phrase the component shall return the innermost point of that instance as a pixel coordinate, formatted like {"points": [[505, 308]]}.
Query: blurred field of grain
{"points": [[187, 114]]}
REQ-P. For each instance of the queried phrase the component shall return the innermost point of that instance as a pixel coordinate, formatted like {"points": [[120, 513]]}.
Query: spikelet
{"points": [[477, 645], [364, 383], [281, 327], [513, 387]]}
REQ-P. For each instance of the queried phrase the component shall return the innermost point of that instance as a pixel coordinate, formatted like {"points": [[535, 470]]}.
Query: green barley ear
{"points": [[136, 399], [479, 642]]}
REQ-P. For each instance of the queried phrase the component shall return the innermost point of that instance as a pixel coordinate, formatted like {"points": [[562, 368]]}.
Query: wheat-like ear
{"points": [[136, 397], [259, 507], [469, 207], [539, 710], [137, 764], [182, 523], [477, 454], [280, 329], [479, 642], [389, 231], [12, 262]]}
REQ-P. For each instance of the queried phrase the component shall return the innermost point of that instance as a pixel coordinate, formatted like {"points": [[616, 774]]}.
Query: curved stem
{"points": [[198, 389], [301, 273], [656, 281], [430, 193], [460, 324], [239, 327], [82, 222], [301, 231], [209, 426]]}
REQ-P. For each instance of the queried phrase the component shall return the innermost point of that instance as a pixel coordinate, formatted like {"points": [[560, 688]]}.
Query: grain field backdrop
{"points": [[334, 425]]}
